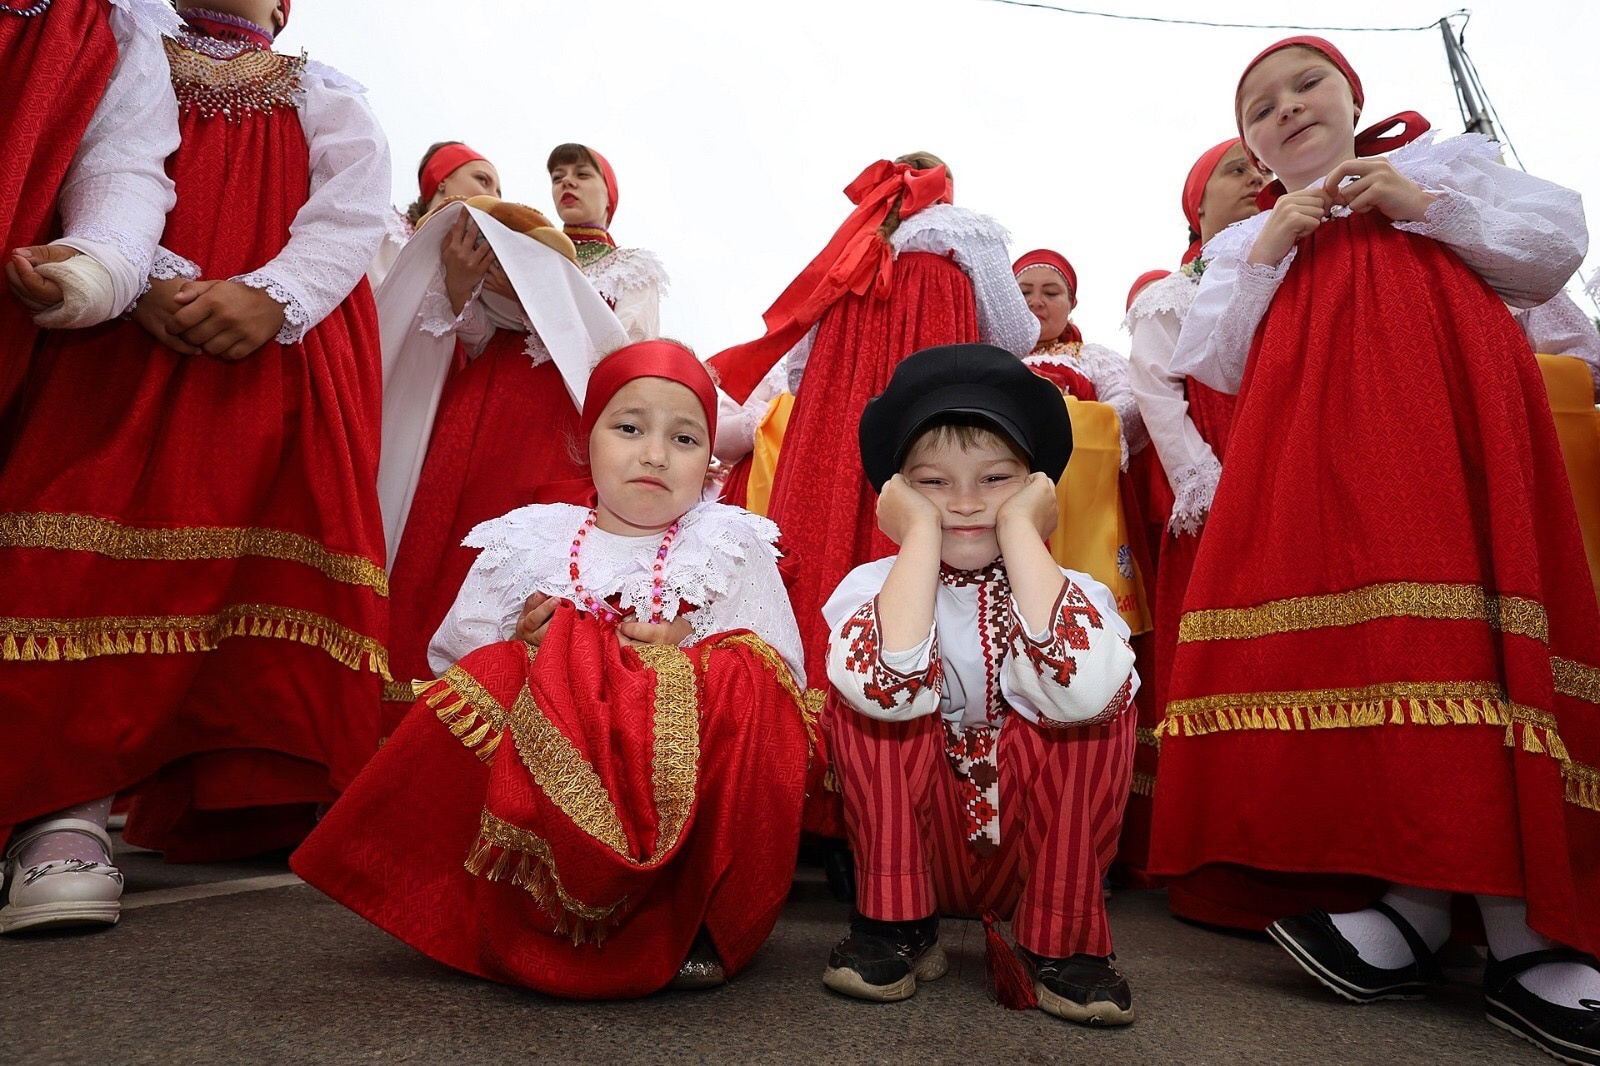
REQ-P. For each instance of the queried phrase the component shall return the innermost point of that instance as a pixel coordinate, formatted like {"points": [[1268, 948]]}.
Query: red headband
{"points": [[856, 260], [1194, 188], [1141, 281], [285, 5], [1055, 261], [649, 359], [443, 163], [1315, 44], [611, 183]]}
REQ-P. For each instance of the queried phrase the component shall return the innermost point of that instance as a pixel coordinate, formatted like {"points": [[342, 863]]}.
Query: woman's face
{"points": [[1048, 298], [476, 178], [1230, 193], [579, 192]]}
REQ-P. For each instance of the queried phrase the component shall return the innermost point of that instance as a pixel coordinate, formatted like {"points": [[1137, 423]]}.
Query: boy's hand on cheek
{"points": [[901, 509], [1034, 506]]}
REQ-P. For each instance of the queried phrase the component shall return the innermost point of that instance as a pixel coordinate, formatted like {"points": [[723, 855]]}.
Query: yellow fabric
{"points": [[1092, 535], [1571, 390], [769, 438]]}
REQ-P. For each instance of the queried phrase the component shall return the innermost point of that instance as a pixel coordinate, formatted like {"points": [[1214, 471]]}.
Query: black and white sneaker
{"points": [[883, 961], [1086, 989], [1322, 951], [1571, 1034]]}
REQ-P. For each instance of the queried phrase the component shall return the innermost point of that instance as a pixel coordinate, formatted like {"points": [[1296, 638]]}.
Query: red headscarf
{"points": [[856, 260], [610, 177], [1055, 261], [285, 5], [1374, 140], [443, 163], [648, 359], [1141, 281], [1194, 190]]}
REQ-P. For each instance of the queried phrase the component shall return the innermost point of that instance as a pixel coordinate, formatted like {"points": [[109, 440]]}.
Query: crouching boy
{"points": [[983, 743]]}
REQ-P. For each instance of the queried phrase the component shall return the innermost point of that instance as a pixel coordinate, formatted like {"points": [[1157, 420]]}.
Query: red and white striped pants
{"points": [[1062, 793]]}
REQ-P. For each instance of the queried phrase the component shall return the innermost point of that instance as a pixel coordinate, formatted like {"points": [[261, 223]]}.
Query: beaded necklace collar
{"points": [[23, 9], [221, 26], [594, 243]]}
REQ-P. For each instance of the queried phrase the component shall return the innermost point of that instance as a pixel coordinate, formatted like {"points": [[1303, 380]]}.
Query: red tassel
{"points": [[1006, 978]]}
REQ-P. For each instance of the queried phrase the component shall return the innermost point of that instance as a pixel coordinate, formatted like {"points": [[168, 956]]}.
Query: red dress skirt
{"points": [[568, 820], [54, 68], [195, 604], [820, 496], [1387, 662], [504, 428]]}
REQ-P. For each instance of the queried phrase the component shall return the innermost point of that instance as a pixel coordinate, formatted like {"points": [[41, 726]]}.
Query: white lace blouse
{"points": [[977, 243], [1523, 235], [116, 195], [1559, 327], [335, 235], [1192, 468], [1107, 371], [723, 562]]}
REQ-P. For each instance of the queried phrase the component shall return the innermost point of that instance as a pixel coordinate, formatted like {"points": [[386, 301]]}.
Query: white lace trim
{"points": [[978, 244], [527, 551], [1430, 162], [130, 247], [1193, 489], [940, 223], [169, 264], [152, 16], [627, 270], [295, 319], [397, 227], [1173, 294], [436, 317]]}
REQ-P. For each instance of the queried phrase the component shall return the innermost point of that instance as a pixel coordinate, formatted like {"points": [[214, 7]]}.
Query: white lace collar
{"points": [[528, 551]]}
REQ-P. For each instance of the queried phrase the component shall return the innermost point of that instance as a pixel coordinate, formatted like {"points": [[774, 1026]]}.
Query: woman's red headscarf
{"points": [[1194, 188], [1374, 140], [856, 260], [610, 177], [443, 163], [1055, 261], [648, 359]]}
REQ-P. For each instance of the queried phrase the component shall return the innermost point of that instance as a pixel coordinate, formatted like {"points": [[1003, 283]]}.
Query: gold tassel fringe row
{"points": [[1144, 785], [1467, 703], [76, 639], [114, 540], [1401, 599], [1149, 737], [528, 861], [466, 723], [400, 691]]}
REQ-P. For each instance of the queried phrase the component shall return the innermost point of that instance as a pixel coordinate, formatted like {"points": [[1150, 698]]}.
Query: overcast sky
{"points": [[734, 126]]}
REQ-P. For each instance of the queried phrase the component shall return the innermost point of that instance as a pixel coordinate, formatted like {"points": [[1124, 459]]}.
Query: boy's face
{"points": [[968, 486]]}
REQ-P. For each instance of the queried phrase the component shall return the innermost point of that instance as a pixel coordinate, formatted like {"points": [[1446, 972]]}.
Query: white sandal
{"points": [[62, 893]]}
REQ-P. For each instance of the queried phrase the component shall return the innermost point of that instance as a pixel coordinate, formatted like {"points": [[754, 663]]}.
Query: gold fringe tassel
{"points": [[1144, 784], [78, 639], [479, 730], [503, 850]]}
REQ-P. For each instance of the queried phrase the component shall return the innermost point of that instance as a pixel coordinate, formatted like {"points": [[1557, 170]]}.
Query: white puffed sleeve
{"points": [[1559, 327], [116, 195], [335, 235], [891, 686], [737, 423], [978, 244], [436, 317], [1078, 669], [633, 281], [482, 614], [1107, 371], [1523, 235], [1191, 466], [754, 597], [1214, 344]]}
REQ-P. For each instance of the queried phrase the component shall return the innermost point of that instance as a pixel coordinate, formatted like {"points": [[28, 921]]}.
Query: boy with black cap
{"points": [[983, 741]]}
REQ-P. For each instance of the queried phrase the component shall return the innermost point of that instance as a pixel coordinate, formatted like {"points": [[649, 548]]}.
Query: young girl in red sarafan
{"points": [[576, 809], [1404, 681]]}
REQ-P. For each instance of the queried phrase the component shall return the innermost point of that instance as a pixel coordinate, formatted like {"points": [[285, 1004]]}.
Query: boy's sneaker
{"points": [[1086, 989], [882, 961]]}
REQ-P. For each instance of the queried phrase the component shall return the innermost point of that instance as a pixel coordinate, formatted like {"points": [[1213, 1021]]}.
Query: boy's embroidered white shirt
{"points": [[1192, 468], [980, 660], [723, 562], [1523, 235]]}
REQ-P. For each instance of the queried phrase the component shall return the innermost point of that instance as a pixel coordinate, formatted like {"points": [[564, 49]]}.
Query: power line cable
{"points": [[1226, 25]]}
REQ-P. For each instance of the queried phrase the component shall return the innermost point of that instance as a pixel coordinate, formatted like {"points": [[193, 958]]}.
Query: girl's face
{"points": [[476, 178], [1230, 193], [1048, 298], [1298, 115], [648, 454], [579, 192]]}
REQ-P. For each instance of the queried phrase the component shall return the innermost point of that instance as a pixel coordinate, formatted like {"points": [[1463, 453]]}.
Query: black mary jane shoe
{"points": [[702, 968], [1571, 1034], [1322, 951]]}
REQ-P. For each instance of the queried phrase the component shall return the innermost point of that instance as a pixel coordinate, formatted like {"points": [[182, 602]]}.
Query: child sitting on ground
{"points": [[986, 751]]}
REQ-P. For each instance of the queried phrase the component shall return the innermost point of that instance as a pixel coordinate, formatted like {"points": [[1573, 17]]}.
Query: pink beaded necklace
{"points": [[600, 608]]}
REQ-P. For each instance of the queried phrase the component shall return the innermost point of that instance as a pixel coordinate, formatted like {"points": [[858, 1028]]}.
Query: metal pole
{"points": [[1472, 112]]}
